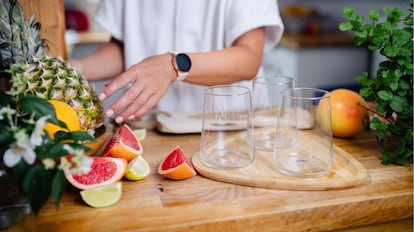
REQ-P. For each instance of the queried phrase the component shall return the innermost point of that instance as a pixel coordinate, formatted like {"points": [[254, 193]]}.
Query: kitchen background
{"points": [[312, 50]]}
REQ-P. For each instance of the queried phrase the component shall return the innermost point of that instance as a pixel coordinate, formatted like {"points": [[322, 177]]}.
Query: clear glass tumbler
{"points": [[303, 145], [227, 127]]}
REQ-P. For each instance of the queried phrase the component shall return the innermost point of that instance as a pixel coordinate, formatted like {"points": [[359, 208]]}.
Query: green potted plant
{"points": [[392, 87]]}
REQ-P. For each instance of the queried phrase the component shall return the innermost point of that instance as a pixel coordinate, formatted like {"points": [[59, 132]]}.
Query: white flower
{"points": [[79, 164], [36, 137], [3, 110], [8, 111], [49, 163], [16, 152]]}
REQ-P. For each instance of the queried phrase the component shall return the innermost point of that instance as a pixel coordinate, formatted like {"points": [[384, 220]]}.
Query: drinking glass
{"points": [[265, 99], [227, 127], [303, 145]]}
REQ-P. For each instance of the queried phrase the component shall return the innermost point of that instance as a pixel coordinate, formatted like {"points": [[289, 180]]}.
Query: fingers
{"points": [[131, 102], [115, 85], [148, 82]]}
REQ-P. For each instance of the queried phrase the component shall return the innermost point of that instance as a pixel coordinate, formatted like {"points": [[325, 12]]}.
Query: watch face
{"points": [[183, 62]]}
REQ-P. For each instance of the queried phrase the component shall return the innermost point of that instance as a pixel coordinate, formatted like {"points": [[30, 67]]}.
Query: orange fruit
{"points": [[176, 166], [66, 114], [104, 170], [123, 144], [349, 114]]}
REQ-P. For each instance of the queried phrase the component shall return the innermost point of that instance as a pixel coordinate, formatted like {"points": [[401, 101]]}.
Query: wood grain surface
{"points": [[202, 204], [51, 15]]}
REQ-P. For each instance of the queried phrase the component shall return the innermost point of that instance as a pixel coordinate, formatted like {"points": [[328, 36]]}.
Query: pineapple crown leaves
{"points": [[392, 88], [19, 39]]}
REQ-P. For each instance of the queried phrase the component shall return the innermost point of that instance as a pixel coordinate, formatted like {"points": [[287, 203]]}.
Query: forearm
{"points": [[240, 62], [107, 62]]}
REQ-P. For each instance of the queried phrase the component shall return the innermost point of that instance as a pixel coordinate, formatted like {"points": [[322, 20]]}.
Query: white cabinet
{"points": [[321, 67]]}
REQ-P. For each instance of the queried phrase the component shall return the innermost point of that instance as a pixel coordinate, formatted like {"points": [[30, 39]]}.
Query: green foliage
{"points": [[392, 87]]}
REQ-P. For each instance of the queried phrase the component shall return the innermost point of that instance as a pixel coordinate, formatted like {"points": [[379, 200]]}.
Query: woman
{"points": [[218, 42]]}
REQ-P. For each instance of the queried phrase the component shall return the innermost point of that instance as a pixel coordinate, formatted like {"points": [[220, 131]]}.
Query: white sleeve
{"points": [[110, 17], [245, 15]]}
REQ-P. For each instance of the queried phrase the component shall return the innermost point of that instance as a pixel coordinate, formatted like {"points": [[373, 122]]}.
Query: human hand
{"points": [[147, 80]]}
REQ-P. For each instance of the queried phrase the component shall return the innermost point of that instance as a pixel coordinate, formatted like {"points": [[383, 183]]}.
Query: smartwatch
{"points": [[181, 64]]}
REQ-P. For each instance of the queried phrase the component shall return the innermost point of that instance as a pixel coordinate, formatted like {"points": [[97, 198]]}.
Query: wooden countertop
{"points": [[201, 204], [299, 41]]}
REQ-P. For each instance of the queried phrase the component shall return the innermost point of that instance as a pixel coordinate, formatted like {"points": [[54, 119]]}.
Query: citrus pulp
{"points": [[137, 169], [176, 166], [104, 170], [102, 196], [123, 144]]}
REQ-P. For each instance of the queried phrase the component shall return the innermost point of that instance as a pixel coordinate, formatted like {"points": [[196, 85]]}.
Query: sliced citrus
{"points": [[123, 144], [176, 166], [137, 169], [102, 196], [66, 114], [104, 170], [140, 134]]}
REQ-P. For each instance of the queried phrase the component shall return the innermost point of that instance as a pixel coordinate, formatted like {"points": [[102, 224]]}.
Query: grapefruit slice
{"points": [[104, 170], [123, 144], [176, 166]]}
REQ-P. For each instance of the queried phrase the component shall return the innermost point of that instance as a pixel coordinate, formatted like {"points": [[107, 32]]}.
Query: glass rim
{"points": [[241, 90], [324, 93], [273, 79]]}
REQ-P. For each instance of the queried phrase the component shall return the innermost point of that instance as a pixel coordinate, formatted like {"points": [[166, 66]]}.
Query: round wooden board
{"points": [[347, 172]]}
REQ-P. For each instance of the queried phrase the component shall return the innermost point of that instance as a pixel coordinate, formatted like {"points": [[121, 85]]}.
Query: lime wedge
{"points": [[137, 169], [140, 134], [103, 196]]}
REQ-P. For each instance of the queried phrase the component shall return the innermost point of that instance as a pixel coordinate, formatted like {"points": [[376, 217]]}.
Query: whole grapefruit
{"points": [[349, 114]]}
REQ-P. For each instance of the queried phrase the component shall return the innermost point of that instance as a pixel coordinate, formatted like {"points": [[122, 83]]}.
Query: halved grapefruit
{"points": [[123, 144], [104, 170], [176, 166]]}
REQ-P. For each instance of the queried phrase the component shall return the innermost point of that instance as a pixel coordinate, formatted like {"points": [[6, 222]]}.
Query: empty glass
{"points": [[303, 145], [265, 98], [227, 127]]}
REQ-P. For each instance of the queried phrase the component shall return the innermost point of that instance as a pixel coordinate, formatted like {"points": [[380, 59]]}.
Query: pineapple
{"points": [[23, 55], [19, 40], [53, 78]]}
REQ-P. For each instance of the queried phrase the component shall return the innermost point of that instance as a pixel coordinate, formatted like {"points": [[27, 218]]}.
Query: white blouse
{"points": [[150, 27]]}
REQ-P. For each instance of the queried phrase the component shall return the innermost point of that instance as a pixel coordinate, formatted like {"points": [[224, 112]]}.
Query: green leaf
{"points": [[398, 104], [6, 136], [349, 12], [385, 95], [4, 98], [374, 15], [33, 104], [36, 187], [345, 26], [58, 186], [40, 107], [74, 135], [390, 50]]}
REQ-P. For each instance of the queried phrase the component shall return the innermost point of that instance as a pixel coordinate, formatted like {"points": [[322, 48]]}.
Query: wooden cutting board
{"points": [[347, 172]]}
